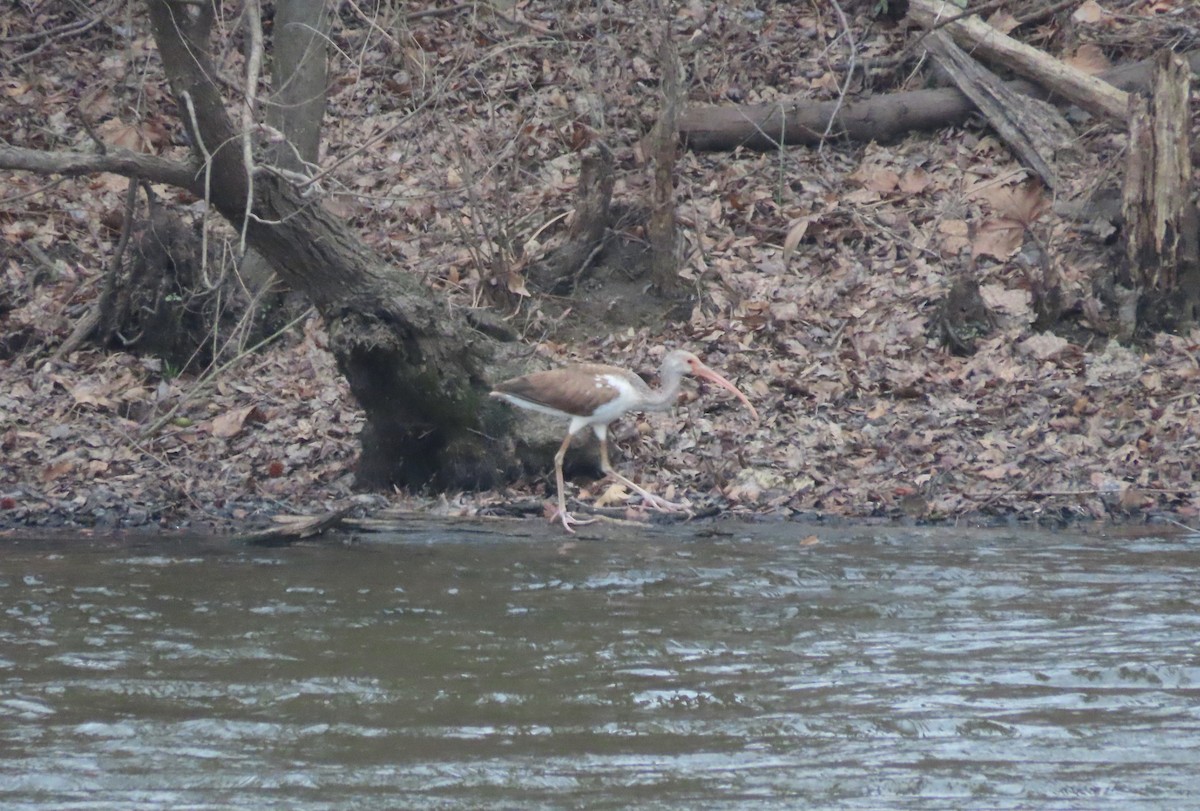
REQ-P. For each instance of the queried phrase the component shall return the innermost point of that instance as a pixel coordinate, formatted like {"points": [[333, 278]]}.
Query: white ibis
{"points": [[594, 394]]}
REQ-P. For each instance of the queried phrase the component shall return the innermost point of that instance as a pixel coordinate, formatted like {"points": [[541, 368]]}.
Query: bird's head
{"points": [[682, 362]]}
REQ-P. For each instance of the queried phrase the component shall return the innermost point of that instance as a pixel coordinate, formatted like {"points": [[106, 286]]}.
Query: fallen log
{"points": [[292, 528], [1033, 129], [878, 118], [1089, 92]]}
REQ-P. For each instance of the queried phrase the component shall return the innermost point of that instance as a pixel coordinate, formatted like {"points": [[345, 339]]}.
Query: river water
{"points": [[473, 665]]}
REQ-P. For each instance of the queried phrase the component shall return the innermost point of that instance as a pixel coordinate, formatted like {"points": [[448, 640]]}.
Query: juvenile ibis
{"points": [[594, 394]]}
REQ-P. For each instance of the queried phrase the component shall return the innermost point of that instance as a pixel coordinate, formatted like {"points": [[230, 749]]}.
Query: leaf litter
{"points": [[819, 271]]}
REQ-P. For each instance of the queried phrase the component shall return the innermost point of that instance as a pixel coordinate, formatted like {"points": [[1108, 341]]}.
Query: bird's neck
{"points": [[664, 397]]}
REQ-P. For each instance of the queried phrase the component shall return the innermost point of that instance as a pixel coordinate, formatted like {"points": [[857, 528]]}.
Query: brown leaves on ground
{"points": [[76, 440], [455, 139]]}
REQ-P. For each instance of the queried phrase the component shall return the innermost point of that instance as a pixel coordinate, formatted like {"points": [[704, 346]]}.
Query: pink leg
{"points": [[567, 519], [652, 500]]}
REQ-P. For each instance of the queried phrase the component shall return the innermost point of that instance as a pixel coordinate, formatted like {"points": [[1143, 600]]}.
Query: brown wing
{"points": [[575, 390]]}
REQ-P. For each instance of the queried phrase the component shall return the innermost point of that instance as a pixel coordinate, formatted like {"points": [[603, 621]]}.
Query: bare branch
{"points": [[852, 49], [253, 71], [121, 162]]}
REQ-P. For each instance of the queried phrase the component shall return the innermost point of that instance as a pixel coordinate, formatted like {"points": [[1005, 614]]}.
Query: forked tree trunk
{"points": [[299, 77], [416, 367]]}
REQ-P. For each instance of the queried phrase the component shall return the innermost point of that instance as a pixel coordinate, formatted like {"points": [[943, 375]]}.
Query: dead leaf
{"points": [[15, 88], [1043, 346], [1023, 203], [998, 472], [785, 311], [88, 394], [1014, 302], [1090, 59], [826, 81], [1089, 13], [614, 494], [915, 181], [796, 232], [1003, 21], [515, 282], [998, 238], [861, 197], [57, 470], [231, 422], [954, 235], [127, 136], [876, 178]]}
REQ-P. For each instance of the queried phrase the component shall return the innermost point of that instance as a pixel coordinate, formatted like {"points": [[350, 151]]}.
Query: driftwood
{"points": [[1089, 92], [292, 528], [1161, 223], [1033, 129], [877, 118]]}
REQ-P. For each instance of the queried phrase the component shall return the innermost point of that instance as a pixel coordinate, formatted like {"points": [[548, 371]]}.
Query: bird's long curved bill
{"points": [[708, 374]]}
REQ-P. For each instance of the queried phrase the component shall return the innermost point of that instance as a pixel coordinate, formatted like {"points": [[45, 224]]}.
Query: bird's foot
{"points": [[567, 519], [661, 504], [648, 499]]}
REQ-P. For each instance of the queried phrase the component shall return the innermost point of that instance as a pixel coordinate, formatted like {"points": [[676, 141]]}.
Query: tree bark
{"points": [[115, 161], [299, 76], [416, 367], [1161, 223], [663, 142]]}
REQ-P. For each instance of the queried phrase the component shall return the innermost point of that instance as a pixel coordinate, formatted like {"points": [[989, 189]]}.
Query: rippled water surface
{"points": [[455, 666]]}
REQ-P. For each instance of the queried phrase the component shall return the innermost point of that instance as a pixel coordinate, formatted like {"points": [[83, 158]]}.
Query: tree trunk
{"points": [[1161, 228], [299, 77], [562, 270], [661, 229], [415, 366]]}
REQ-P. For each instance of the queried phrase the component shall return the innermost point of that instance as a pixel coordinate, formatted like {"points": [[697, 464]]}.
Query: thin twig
{"points": [[845, 88], [253, 71], [62, 31], [213, 373], [368, 144], [8, 201], [449, 11], [208, 163]]}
